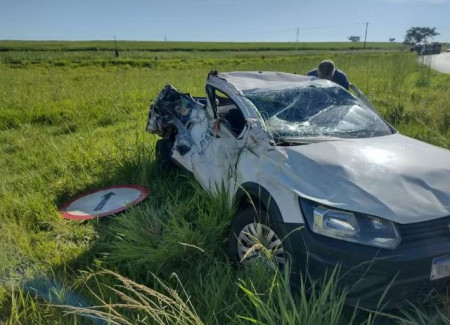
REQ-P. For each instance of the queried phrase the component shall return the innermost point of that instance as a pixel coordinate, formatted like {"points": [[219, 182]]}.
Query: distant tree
{"points": [[419, 34], [391, 39], [354, 38]]}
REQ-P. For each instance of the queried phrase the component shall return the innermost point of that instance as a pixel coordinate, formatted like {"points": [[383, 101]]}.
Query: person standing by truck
{"points": [[327, 70]]}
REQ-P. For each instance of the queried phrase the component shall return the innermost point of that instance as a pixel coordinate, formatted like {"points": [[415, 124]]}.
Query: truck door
{"points": [[215, 164]]}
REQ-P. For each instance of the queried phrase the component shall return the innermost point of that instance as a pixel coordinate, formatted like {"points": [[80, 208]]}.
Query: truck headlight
{"points": [[350, 226]]}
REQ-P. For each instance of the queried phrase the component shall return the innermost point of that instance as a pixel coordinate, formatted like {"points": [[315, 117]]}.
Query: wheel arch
{"points": [[255, 195]]}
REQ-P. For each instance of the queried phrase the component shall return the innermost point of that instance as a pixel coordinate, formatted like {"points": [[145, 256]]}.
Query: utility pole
{"points": [[365, 37], [116, 52], [298, 32]]}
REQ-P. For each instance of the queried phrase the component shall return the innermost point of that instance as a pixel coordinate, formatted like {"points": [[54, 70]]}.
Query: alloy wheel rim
{"points": [[258, 243]]}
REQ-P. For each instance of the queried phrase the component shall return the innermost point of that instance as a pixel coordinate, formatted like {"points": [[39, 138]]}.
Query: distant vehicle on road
{"points": [[427, 48]]}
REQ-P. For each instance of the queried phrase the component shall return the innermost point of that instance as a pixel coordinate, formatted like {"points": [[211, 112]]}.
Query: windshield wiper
{"points": [[290, 143], [358, 133], [302, 141]]}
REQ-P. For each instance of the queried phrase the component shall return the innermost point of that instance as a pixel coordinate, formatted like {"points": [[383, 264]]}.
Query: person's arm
{"points": [[341, 79], [345, 82], [312, 73]]}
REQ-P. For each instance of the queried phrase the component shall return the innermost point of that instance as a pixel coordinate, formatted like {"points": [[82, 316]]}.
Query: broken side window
{"points": [[229, 113]]}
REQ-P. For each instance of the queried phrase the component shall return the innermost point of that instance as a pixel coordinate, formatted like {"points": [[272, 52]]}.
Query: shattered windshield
{"points": [[312, 111]]}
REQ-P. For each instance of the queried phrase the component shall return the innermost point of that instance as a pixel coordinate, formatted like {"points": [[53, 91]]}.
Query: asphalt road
{"points": [[439, 62]]}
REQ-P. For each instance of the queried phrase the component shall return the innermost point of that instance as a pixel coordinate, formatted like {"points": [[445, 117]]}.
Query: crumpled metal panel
{"points": [[172, 107], [254, 81], [393, 177]]}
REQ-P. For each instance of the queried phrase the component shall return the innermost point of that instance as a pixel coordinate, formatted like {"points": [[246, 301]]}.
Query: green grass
{"points": [[147, 54], [6, 45], [67, 127]]}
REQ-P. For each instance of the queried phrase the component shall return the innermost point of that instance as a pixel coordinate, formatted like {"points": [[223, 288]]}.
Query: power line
{"points": [[331, 26], [285, 30]]}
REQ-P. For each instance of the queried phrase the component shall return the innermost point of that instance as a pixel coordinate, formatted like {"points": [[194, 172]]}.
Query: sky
{"points": [[220, 20]]}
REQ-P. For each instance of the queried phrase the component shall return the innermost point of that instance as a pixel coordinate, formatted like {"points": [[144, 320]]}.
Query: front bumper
{"points": [[368, 272]]}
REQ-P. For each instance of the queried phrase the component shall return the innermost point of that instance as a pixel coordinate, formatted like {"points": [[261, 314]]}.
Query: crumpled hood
{"points": [[393, 177]]}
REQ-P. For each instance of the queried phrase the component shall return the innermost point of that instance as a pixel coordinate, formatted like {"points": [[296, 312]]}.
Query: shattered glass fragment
{"points": [[310, 112]]}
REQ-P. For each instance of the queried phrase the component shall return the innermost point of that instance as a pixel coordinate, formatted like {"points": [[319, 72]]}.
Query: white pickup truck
{"points": [[318, 177]]}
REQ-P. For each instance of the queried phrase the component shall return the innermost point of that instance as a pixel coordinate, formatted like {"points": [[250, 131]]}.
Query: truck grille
{"points": [[423, 233]]}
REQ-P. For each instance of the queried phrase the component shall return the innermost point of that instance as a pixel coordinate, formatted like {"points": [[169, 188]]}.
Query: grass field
{"points": [[147, 54], [73, 119], [185, 46]]}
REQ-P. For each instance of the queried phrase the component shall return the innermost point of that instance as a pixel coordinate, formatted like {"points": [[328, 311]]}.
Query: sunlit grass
{"points": [[67, 128]]}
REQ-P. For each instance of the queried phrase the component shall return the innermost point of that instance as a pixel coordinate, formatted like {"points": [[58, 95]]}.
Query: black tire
{"points": [[163, 152], [243, 219]]}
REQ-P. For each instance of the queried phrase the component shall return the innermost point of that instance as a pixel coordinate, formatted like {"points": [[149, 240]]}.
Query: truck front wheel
{"points": [[254, 239]]}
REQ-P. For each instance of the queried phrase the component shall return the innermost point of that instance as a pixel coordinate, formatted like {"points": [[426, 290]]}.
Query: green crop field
{"points": [[20, 53], [72, 119], [184, 46]]}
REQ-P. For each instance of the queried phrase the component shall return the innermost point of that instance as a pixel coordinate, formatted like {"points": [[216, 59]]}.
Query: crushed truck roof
{"points": [[253, 81]]}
